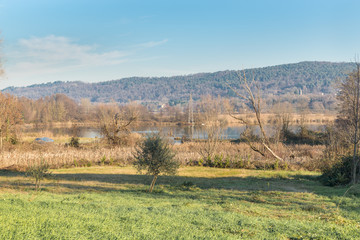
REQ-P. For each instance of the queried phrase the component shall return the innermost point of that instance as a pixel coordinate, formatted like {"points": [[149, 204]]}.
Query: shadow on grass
{"points": [[11, 173], [260, 190], [251, 189], [293, 183], [298, 183]]}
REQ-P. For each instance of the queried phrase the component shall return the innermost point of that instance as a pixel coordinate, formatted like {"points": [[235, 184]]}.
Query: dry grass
{"points": [[238, 155], [296, 157], [57, 155], [295, 118]]}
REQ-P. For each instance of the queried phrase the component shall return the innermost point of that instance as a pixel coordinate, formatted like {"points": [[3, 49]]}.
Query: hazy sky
{"points": [[91, 41]]}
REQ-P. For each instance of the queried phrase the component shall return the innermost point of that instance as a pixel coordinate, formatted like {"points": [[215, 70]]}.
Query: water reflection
{"points": [[177, 132]]}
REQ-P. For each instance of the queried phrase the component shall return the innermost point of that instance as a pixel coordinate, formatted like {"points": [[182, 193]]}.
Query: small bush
{"points": [[111, 161], [155, 156], [74, 142], [102, 160], [339, 173], [208, 162], [38, 171], [14, 140], [201, 162]]}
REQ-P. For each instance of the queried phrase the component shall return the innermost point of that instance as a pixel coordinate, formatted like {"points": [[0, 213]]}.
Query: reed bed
{"points": [[227, 155], [240, 155], [58, 156]]}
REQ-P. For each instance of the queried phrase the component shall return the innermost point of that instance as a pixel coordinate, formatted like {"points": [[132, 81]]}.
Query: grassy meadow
{"points": [[109, 202]]}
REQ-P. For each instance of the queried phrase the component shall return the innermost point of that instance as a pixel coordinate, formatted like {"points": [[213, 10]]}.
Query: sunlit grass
{"points": [[112, 203]]}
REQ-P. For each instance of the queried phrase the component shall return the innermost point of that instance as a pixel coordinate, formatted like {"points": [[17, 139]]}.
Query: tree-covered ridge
{"points": [[299, 78]]}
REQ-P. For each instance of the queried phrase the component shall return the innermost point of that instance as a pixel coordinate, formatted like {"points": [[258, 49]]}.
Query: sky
{"points": [[92, 41]]}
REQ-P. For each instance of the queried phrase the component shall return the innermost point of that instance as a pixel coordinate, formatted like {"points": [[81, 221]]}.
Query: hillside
{"points": [[298, 78]]}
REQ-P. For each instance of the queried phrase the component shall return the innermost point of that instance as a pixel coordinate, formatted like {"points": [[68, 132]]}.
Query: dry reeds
{"points": [[240, 155], [58, 156], [236, 155]]}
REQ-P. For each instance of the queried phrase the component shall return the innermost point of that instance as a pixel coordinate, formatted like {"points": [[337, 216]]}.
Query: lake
{"points": [[196, 132]]}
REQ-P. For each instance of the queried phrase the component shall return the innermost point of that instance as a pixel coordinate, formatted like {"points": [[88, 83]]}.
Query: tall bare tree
{"points": [[281, 121], [254, 102], [209, 110], [349, 116]]}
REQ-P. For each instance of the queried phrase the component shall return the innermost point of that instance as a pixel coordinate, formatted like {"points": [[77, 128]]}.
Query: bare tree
{"points": [[283, 117], [209, 116], [115, 121], [254, 102], [10, 116], [349, 116]]}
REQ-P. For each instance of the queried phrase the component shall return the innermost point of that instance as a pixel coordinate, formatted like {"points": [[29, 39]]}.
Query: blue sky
{"points": [[92, 41]]}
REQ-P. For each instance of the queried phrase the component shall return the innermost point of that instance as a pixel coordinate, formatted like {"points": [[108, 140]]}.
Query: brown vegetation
{"points": [[232, 155]]}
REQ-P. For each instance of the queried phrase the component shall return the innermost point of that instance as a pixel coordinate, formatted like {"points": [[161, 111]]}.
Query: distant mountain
{"points": [[298, 78]]}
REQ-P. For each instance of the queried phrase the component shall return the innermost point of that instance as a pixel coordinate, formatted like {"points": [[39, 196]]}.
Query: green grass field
{"points": [[199, 203]]}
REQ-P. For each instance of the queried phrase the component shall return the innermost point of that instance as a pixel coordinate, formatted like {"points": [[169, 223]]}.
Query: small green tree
{"points": [[38, 171], [155, 157]]}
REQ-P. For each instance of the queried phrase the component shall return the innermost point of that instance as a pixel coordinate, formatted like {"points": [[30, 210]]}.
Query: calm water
{"points": [[197, 132]]}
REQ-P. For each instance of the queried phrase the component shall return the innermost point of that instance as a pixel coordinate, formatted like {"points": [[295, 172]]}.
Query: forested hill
{"points": [[298, 78]]}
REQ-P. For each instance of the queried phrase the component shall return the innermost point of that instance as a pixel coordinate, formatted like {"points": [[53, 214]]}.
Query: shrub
{"points": [[155, 156], [208, 162], [102, 160], [38, 171], [74, 142], [339, 173], [14, 140]]}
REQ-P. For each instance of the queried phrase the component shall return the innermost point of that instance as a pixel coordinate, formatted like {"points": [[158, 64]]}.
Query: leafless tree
{"points": [[209, 110], [282, 119], [10, 116], [254, 101], [115, 121], [349, 116]]}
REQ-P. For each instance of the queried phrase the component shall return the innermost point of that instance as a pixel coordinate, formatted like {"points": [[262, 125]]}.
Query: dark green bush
{"points": [[74, 142], [155, 156], [339, 173]]}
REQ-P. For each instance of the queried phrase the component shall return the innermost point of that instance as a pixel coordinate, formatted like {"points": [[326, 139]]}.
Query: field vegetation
{"points": [[105, 202], [230, 155]]}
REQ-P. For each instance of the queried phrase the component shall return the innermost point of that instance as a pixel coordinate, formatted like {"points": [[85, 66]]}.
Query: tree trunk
{"points": [[153, 183], [355, 159]]}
